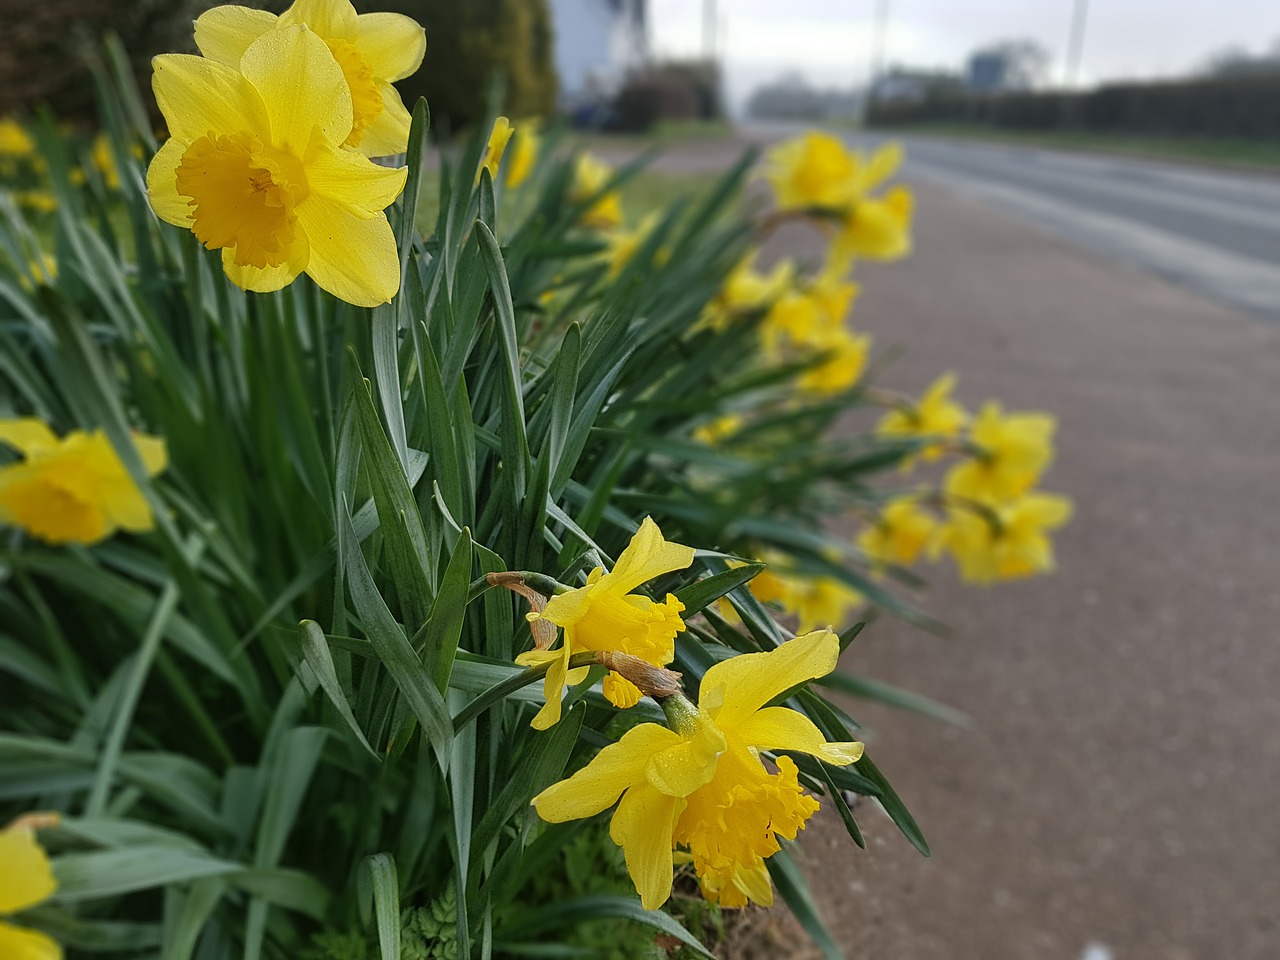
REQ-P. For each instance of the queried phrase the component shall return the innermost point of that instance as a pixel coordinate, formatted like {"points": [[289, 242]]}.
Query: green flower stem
{"points": [[538, 582], [682, 715]]}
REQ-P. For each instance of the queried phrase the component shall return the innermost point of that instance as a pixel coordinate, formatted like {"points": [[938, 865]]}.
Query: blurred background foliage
{"points": [[43, 62]]}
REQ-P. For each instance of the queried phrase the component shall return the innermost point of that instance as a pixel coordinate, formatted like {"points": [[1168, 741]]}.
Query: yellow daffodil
{"points": [[1014, 450], [846, 358], [255, 168], [702, 786], [606, 615], [716, 431], [878, 228], [73, 489], [815, 601], [14, 139], [524, 152], [746, 291], [26, 879], [809, 319], [41, 201], [104, 158], [1010, 542], [899, 534], [495, 147], [372, 49], [935, 414], [621, 244], [590, 174], [814, 170]]}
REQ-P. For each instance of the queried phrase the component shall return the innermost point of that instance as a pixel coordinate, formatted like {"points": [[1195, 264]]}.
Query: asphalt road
{"points": [[1213, 231]]}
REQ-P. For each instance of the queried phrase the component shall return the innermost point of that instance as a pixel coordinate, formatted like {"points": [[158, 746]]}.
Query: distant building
{"points": [[792, 98], [597, 43]]}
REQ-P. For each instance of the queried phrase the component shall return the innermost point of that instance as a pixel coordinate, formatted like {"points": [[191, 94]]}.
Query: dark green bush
{"points": [[468, 43]]}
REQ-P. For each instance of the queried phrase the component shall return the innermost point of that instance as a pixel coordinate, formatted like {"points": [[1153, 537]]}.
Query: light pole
{"points": [[1075, 42], [878, 34]]}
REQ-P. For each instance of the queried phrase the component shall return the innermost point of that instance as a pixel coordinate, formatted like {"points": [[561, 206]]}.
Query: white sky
{"points": [[830, 40]]}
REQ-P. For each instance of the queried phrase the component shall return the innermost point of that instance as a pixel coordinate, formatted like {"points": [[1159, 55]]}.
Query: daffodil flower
{"points": [[621, 245], [878, 228], [606, 615], [702, 785], [524, 152], [495, 147], [1005, 542], [73, 489], [26, 879], [14, 139], [590, 174], [901, 532], [255, 168], [372, 49], [935, 414], [746, 290], [815, 601], [846, 358], [1013, 451]]}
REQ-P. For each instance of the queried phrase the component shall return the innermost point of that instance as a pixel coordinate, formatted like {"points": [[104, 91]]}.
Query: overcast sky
{"points": [[830, 40]]}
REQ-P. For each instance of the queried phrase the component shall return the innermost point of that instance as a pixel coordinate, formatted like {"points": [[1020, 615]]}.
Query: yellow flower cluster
{"points": [[271, 131], [26, 879], [996, 525], [817, 174], [814, 601], [700, 783], [604, 210], [73, 489]]}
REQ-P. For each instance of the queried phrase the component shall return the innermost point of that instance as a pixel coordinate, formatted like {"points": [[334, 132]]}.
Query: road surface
{"points": [[1213, 231]]}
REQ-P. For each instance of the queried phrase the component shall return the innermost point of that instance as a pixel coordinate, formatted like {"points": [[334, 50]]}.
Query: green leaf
{"points": [[881, 692], [893, 805], [794, 890], [385, 889], [315, 648], [697, 596], [567, 913], [393, 649], [443, 630], [104, 873]]}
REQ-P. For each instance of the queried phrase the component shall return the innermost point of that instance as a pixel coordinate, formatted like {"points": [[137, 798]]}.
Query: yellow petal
{"points": [[266, 279], [329, 18], [552, 684], [751, 680], [620, 691], [688, 764], [392, 44], [224, 33], [354, 182], [779, 728], [26, 878], [884, 163], [755, 883], [642, 825], [153, 451], [388, 134], [32, 498], [302, 86], [352, 258], [27, 435], [647, 556], [162, 185], [566, 609], [197, 96], [18, 943], [597, 785]]}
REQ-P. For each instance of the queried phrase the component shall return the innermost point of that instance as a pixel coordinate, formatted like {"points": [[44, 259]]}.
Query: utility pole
{"points": [[878, 32], [1075, 43], [709, 29]]}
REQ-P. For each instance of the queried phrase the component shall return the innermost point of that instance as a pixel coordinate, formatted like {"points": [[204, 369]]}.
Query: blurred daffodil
{"points": [[1007, 541], [606, 615], [745, 290], [935, 414], [14, 139], [845, 358], [899, 534], [495, 147], [815, 600], [878, 228], [73, 489], [621, 244], [255, 168], [1013, 450], [26, 879], [590, 174], [372, 49], [717, 431], [524, 152], [700, 784]]}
